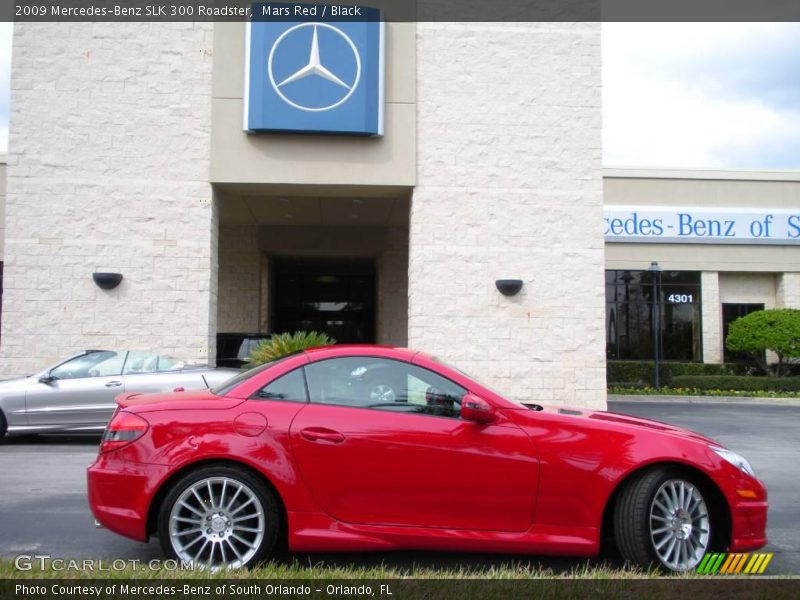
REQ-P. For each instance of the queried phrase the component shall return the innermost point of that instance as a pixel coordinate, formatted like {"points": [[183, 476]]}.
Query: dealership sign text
{"points": [[666, 224]]}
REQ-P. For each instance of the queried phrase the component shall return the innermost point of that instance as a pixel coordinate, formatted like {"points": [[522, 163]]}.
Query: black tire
{"points": [[3, 426], [272, 521], [636, 528]]}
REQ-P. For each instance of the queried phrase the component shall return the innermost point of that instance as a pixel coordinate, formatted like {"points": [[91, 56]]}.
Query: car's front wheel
{"points": [[219, 517], [662, 518]]}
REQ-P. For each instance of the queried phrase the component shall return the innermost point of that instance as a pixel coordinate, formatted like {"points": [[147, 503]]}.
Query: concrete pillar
{"points": [[711, 316], [787, 293], [509, 186]]}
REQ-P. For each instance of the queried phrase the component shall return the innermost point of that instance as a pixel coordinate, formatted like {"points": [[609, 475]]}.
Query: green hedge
{"points": [[639, 373], [736, 382]]}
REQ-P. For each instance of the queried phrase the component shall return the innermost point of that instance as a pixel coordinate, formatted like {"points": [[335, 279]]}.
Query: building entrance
{"points": [[336, 296]]}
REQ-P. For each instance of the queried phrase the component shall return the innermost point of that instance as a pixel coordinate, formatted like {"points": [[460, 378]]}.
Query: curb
{"points": [[704, 400]]}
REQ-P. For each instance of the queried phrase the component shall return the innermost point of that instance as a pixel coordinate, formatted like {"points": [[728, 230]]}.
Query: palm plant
{"points": [[282, 344]]}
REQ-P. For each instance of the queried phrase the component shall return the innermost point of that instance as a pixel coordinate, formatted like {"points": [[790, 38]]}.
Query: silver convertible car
{"points": [[78, 393]]}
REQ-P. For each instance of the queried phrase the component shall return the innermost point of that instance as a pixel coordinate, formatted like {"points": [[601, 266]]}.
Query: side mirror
{"points": [[47, 378], [477, 410]]}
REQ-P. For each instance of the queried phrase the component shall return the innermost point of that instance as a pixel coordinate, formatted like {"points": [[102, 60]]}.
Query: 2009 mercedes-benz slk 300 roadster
{"points": [[372, 448]]}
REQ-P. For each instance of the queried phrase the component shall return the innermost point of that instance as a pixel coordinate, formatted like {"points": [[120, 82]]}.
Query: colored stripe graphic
{"points": [[728, 563], [735, 563], [768, 557], [754, 563], [740, 563]]}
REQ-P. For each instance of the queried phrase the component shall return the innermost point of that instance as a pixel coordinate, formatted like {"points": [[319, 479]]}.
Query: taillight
{"points": [[123, 429]]}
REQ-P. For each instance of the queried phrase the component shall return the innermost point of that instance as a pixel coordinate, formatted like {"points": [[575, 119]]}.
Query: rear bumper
{"points": [[120, 497]]}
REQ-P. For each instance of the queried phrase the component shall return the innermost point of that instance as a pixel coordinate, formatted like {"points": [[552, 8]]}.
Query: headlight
{"points": [[736, 459]]}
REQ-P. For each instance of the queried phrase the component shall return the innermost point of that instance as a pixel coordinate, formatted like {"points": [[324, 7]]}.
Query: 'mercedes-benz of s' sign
{"points": [[374, 448], [320, 75]]}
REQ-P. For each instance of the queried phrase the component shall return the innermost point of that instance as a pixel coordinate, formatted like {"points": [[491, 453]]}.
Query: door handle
{"points": [[114, 384], [321, 434]]}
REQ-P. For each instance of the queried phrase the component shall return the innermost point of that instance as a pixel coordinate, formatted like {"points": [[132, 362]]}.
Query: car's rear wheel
{"points": [[219, 517], [3, 426], [662, 518]]}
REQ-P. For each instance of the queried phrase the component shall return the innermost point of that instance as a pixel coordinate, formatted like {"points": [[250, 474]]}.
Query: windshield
{"points": [[245, 375]]}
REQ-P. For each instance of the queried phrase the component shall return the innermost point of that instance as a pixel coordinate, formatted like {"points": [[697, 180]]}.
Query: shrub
{"points": [[669, 391], [282, 344], [639, 373], [736, 382], [777, 330]]}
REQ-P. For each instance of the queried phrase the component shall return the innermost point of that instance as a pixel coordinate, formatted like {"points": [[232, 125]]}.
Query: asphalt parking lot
{"points": [[44, 509]]}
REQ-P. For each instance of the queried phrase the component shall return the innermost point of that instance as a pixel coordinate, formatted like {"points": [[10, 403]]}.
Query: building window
{"points": [[731, 312], [629, 315]]}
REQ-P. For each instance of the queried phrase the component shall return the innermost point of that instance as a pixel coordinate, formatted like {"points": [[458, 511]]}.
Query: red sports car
{"points": [[371, 448]]}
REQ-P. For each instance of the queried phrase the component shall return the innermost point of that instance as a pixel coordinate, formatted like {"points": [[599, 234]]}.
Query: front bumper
{"points": [[120, 494], [748, 525]]}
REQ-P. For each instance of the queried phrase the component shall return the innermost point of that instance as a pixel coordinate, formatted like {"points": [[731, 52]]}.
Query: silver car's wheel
{"points": [[679, 525], [219, 518], [662, 518]]}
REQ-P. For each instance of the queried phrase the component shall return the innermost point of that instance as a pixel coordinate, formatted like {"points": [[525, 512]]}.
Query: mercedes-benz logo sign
{"points": [[315, 67]]}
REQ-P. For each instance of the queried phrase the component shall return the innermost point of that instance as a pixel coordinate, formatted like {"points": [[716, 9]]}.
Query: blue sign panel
{"points": [[322, 75]]}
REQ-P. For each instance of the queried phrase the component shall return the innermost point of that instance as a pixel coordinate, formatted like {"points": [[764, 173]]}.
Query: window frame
{"points": [[639, 299], [408, 364], [83, 355], [257, 397]]}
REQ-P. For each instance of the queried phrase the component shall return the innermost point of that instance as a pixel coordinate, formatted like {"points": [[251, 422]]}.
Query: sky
{"points": [[5, 77], [691, 95], [701, 95]]}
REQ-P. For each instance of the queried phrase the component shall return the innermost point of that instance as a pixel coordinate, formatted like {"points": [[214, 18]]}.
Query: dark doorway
{"points": [[731, 312], [334, 296]]}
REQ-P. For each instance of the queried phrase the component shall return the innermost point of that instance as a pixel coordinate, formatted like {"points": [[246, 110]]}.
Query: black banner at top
{"points": [[409, 10]]}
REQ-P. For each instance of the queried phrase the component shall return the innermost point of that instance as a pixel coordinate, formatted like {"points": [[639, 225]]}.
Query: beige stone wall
{"points": [[239, 303], [509, 186], [2, 203], [711, 317], [787, 292], [747, 288], [108, 171]]}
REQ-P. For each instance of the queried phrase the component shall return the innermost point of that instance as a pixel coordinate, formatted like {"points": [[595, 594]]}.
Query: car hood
{"points": [[617, 421], [199, 400]]}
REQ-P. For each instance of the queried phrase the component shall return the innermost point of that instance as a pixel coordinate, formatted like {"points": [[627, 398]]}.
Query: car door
{"points": [[78, 392], [142, 374], [382, 442]]}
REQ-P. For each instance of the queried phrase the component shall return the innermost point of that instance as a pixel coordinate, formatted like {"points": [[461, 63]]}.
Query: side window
{"points": [[94, 364], [141, 361], [167, 363], [290, 387], [383, 384]]}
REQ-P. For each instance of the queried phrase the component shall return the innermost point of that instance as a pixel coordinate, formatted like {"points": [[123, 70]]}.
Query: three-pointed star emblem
{"points": [[314, 67]]}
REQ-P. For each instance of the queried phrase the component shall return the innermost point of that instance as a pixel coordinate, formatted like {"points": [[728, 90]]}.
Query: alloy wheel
{"points": [[217, 522], [679, 524]]}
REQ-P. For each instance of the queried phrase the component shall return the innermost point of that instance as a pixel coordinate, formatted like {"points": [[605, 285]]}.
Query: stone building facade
{"points": [[127, 154]]}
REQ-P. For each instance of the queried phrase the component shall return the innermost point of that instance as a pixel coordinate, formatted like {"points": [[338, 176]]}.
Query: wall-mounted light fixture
{"points": [[107, 281], [509, 287]]}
